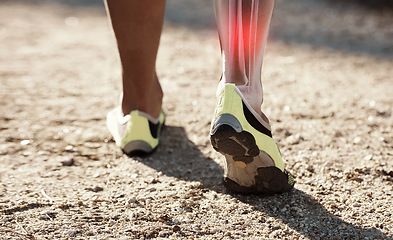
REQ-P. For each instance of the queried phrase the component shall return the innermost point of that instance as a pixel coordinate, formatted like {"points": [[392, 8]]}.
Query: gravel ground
{"points": [[328, 79]]}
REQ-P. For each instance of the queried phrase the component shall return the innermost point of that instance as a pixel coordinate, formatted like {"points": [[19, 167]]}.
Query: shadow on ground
{"points": [[178, 157]]}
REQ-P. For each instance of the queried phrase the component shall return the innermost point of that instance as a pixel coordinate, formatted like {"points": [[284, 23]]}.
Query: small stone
{"points": [[176, 228], [357, 140], [338, 134], [295, 139], [27, 153], [154, 180], [95, 189], [25, 142], [68, 162], [94, 158], [95, 199], [68, 148], [134, 176], [42, 153], [98, 189], [368, 157]]}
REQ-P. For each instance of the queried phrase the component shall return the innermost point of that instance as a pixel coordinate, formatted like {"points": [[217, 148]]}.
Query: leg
{"points": [[136, 125], [243, 28], [137, 26], [240, 131]]}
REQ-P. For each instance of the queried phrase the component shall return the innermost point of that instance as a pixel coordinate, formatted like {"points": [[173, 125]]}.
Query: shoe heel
{"points": [[240, 145]]}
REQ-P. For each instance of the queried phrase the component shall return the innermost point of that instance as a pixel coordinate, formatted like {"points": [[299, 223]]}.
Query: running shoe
{"points": [[136, 133], [253, 162]]}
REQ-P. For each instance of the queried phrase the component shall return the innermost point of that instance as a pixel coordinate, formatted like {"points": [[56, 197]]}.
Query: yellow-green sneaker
{"points": [[135, 133], [253, 162]]}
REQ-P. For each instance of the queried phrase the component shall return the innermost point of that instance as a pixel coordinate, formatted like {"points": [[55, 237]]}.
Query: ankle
{"points": [[253, 94], [149, 106], [254, 98], [143, 98]]}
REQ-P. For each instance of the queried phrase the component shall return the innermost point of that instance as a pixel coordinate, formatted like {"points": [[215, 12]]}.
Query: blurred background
{"points": [[362, 26]]}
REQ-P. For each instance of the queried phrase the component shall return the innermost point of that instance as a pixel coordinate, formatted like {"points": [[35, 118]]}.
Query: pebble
{"points": [[176, 228], [295, 139], [357, 140], [67, 162], [69, 148], [368, 157], [25, 142], [95, 199], [95, 189], [134, 176]]}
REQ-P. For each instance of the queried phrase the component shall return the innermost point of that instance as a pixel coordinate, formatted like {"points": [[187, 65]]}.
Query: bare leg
{"points": [[243, 27], [137, 25]]}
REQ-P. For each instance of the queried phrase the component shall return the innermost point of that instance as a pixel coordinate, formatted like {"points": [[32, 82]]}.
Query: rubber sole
{"points": [[247, 169], [138, 148]]}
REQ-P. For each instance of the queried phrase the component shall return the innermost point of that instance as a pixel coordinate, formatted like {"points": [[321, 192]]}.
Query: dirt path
{"points": [[328, 80]]}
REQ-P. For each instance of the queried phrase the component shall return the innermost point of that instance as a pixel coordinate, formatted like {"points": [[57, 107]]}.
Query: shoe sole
{"points": [[137, 148], [247, 169]]}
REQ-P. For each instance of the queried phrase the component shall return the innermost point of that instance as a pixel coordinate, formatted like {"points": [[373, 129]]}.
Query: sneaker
{"points": [[135, 133], [253, 162]]}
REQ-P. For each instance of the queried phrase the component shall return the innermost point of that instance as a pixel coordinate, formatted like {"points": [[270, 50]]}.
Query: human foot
{"points": [[253, 162], [136, 132]]}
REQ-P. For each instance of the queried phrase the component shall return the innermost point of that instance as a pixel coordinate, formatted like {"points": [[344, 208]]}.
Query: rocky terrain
{"points": [[328, 81]]}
